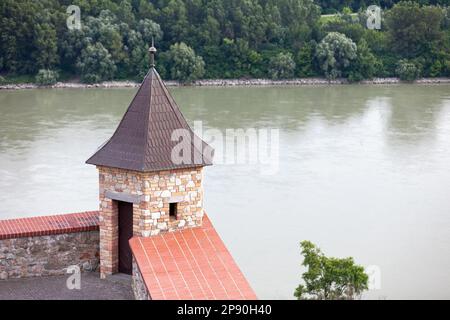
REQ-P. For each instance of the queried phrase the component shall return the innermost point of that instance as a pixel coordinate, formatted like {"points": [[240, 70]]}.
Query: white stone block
{"points": [[157, 193], [193, 194], [166, 194], [176, 199], [156, 215], [147, 233], [190, 184], [162, 226]]}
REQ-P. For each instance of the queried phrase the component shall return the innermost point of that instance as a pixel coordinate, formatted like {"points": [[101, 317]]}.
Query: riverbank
{"points": [[228, 83]]}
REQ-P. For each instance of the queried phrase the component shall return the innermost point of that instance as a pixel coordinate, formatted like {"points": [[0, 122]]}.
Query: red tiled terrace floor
{"points": [[190, 264]]}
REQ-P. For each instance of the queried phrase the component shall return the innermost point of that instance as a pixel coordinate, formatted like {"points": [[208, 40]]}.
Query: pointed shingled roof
{"points": [[142, 141]]}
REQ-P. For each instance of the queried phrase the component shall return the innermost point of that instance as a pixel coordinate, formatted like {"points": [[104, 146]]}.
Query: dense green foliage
{"points": [[333, 6], [330, 278], [413, 30], [223, 38]]}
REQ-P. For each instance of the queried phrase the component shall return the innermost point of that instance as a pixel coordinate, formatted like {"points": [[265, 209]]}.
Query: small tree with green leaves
{"points": [[329, 278], [365, 65], [96, 64], [305, 56], [335, 53], [282, 66], [46, 77], [407, 70], [186, 66], [412, 29]]}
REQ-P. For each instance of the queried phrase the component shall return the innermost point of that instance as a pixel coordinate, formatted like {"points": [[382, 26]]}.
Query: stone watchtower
{"points": [[143, 190]]}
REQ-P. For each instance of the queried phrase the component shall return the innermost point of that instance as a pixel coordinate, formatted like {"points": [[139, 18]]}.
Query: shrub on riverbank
{"points": [[408, 71], [366, 64], [46, 77], [335, 53], [282, 66], [96, 64], [186, 65]]}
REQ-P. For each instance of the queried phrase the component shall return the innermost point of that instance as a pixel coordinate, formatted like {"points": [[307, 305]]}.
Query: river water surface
{"points": [[364, 171]]}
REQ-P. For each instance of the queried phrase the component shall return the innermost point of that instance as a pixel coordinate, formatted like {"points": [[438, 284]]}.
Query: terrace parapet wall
{"points": [[48, 245]]}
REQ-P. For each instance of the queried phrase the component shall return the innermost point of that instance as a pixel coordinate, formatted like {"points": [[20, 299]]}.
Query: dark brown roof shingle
{"points": [[143, 139]]}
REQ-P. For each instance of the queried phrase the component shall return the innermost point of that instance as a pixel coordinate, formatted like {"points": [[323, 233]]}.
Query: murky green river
{"points": [[364, 171]]}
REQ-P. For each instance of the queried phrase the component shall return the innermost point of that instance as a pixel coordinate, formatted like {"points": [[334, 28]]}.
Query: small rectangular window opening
{"points": [[173, 208]]}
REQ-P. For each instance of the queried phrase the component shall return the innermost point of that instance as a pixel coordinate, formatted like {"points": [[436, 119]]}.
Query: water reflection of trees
{"points": [[414, 113], [413, 109], [284, 107], [28, 114]]}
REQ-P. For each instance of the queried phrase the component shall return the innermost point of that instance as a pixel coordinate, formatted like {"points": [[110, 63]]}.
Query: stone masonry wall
{"points": [[48, 255], [139, 288], [183, 187], [154, 191]]}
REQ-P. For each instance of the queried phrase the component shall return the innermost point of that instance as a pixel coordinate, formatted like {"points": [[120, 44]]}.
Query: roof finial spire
{"points": [[152, 52]]}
